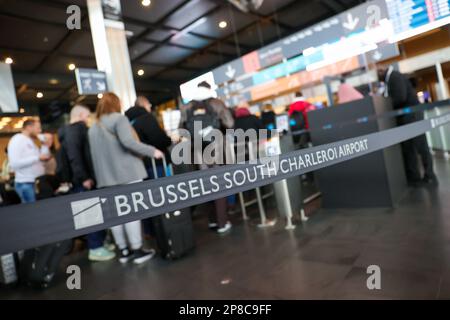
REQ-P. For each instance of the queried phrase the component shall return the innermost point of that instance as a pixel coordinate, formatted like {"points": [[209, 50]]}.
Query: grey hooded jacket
{"points": [[115, 151]]}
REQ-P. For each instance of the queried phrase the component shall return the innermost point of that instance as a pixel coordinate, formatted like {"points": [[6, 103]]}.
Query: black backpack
{"points": [[297, 121], [203, 113]]}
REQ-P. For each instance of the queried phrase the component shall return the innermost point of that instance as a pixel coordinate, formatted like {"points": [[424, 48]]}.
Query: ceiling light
{"points": [[9, 60], [71, 66], [140, 72], [146, 3], [39, 95], [22, 110], [223, 24], [100, 95], [53, 81]]}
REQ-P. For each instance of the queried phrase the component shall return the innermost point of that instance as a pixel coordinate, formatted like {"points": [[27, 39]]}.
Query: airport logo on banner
{"points": [[87, 213]]}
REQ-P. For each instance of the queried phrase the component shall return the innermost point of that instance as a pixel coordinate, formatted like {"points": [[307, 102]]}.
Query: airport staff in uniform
{"points": [[400, 90]]}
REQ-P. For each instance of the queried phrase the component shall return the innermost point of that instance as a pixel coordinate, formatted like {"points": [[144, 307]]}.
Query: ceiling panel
{"points": [[270, 6], [159, 35], [29, 9], [79, 43], [202, 61], [149, 70], [59, 64], [210, 27], [260, 35], [139, 48], [157, 10], [189, 40], [166, 55], [189, 13], [176, 75], [312, 11], [134, 28], [27, 35], [23, 61]]}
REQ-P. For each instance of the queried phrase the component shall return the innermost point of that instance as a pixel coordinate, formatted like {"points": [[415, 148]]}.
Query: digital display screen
{"points": [[412, 17]]}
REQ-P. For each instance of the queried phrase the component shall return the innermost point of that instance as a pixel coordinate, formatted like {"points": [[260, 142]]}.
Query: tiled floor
{"points": [[325, 258]]}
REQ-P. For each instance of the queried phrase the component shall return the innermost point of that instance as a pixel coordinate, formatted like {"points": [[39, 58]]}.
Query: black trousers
{"points": [[413, 148]]}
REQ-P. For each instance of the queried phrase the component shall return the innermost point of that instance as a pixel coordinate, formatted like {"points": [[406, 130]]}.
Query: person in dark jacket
{"points": [[399, 88], [245, 120], [149, 130], [75, 148]]}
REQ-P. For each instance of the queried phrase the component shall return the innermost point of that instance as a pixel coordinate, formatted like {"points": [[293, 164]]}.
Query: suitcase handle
{"points": [[166, 167]]}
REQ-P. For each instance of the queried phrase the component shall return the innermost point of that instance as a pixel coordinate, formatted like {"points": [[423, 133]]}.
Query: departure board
{"points": [[412, 17]]}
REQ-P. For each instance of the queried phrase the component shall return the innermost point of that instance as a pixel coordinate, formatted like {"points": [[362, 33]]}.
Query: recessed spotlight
{"points": [[146, 3], [53, 81], [9, 60], [100, 95], [39, 95], [71, 66], [140, 72], [223, 24], [22, 110]]}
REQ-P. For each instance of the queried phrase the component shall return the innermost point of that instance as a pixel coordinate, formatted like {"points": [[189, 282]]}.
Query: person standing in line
{"points": [[26, 159], [205, 100], [399, 88], [77, 169], [115, 155], [149, 131]]}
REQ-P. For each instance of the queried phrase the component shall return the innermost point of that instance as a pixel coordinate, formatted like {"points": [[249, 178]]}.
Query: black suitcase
{"points": [[173, 231], [39, 265]]}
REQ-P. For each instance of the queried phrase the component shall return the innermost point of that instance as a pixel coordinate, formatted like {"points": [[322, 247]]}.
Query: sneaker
{"points": [[101, 254], [126, 255], [110, 247], [212, 225], [226, 228], [141, 256]]}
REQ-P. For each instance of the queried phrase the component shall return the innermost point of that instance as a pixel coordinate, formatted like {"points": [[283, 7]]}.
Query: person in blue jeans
{"points": [[75, 167], [26, 158]]}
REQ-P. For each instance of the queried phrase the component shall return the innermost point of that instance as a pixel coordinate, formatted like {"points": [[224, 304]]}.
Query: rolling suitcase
{"points": [[39, 265], [173, 231]]}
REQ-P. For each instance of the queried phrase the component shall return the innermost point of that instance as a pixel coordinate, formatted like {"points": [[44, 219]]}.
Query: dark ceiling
{"points": [[34, 34]]}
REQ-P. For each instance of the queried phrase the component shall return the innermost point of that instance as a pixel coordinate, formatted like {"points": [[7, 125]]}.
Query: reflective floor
{"points": [[324, 258]]}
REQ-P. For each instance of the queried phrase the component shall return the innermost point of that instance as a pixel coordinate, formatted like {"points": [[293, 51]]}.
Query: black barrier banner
{"points": [[30, 225]]}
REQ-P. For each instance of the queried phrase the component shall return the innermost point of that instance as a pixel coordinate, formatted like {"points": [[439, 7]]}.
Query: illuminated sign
{"points": [[412, 17]]}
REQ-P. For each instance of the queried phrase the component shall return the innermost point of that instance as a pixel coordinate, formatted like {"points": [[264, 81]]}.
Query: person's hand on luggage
{"points": [[44, 157], [158, 154], [88, 184]]}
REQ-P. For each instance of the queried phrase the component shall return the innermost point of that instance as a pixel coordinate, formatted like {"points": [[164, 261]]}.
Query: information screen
{"points": [[412, 17]]}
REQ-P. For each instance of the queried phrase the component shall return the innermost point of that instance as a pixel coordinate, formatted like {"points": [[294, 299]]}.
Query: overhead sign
{"points": [[410, 18], [8, 99], [91, 81]]}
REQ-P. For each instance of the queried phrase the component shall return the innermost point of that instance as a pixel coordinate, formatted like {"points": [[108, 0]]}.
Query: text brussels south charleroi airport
{"points": [[200, 187]]}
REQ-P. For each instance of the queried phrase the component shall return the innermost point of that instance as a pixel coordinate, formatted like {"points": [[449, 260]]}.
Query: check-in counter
{"points": [[374, 180]]}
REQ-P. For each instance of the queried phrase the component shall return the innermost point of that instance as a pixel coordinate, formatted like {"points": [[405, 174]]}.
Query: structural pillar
{"points": [[111, 49], [442, 82]]}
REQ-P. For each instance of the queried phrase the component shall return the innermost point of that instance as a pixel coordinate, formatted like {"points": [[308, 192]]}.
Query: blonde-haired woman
{"points": [[115, 156]]}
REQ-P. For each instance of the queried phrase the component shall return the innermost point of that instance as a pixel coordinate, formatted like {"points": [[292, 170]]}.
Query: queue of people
{"points": [[118, 149]]}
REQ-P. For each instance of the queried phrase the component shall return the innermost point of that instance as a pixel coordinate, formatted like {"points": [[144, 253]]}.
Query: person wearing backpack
{"points": [[75, 167], [213, 114]]}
